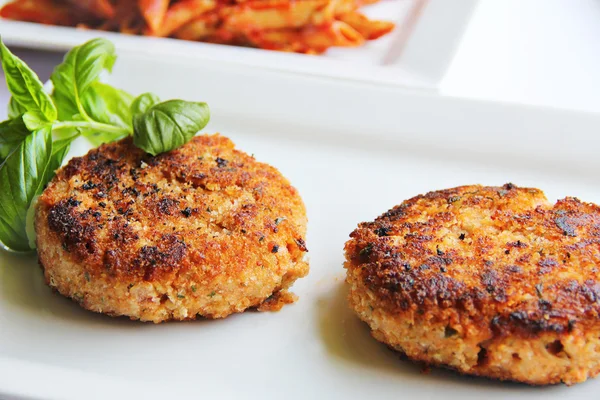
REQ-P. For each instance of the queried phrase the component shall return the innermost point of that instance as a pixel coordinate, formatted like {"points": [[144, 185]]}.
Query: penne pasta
{"points": [[199, 29], [97, 8], [369, 29], [183, 12], [282, 14], [304, 26], [154, 12], [315, 40], [40, 11]]}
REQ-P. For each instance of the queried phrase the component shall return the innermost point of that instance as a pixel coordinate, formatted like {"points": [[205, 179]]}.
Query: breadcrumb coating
{"points": [[204, 230], [490, 281]]}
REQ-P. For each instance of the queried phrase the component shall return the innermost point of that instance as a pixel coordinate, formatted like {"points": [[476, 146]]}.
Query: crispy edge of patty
{"points": [[548, 358], [178, 284], [434, 317]]}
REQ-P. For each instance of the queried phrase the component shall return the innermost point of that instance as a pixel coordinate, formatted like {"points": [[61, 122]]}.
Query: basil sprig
{"points": [[41, 126], [27, 92], [169, 125], [22, 177]]}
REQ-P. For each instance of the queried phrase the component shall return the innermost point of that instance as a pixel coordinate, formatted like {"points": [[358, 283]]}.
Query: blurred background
{"points": [[543, 52], [538, 52]]}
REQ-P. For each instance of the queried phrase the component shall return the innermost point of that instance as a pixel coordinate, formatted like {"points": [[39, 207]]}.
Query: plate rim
{"points": [[417, 68]]}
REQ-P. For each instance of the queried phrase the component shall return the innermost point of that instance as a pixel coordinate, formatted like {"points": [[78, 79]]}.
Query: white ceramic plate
{"points": [[353, 150], [417, 53]]}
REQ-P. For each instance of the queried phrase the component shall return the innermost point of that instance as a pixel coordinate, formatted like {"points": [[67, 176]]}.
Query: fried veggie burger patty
{"points": [[204, 230], [489, 281]]}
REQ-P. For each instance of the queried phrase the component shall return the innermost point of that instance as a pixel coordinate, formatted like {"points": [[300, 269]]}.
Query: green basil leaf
{"points": [[12, 133], [143, 102], [97, 138], [30, 223], [22, 177], [65, 132], [60, 148], [169, 125], [81, 67], [66, 106], [34, 120], [109, 105], [15, 109], [25, 87]]}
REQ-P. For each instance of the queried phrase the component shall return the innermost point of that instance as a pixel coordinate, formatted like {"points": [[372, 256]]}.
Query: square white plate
{"points": [[353, 150], [417, 53]]}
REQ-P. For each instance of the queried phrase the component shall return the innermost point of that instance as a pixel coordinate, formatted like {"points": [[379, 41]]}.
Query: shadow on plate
{"points": [[23, 289], [349, 339]]}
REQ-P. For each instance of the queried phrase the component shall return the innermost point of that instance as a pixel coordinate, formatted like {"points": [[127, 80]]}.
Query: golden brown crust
{"points": [[202, 214], [488, 262]]}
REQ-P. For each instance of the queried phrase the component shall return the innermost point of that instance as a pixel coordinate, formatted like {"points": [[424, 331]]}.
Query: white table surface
{"points": [[542, 52]]}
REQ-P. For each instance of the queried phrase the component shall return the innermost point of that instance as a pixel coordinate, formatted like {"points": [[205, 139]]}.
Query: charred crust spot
{"points": [[221, 162], [166, 205], [135, 175], [67, 223], [547, 265], [515, 269], [131, 191], [301, 244], [453, 199], [518, 244], [148, 256], [88, 185], [73, 167], [566, 226], [366, 251], [395, 213], [186, 212], [490, 280], [102, 204], [382, 231], [545, 305], [275, 249], [104, 168], [526, 323], [165, 256], [438, 261], [72, 202], [590, 291], [461, 236]]}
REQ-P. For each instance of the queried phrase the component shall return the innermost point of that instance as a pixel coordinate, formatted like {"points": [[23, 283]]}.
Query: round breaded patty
{"points": [[489, 281], [204, 230]]}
